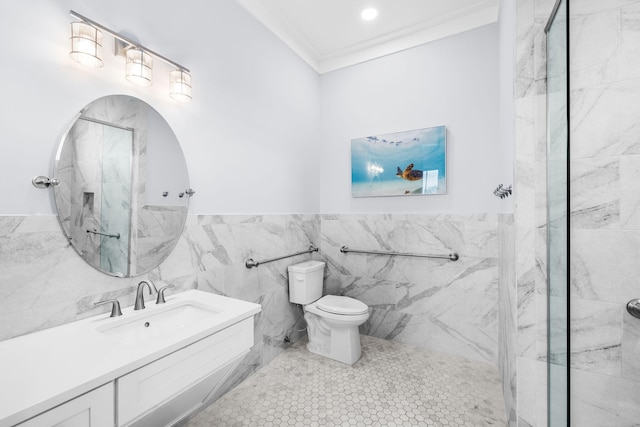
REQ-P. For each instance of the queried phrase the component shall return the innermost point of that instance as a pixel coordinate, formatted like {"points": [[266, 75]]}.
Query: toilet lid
{"points": [[341, 305]]}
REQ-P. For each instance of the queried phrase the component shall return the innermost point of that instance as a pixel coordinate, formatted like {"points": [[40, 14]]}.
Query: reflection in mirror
{"points": [[122, 198]]}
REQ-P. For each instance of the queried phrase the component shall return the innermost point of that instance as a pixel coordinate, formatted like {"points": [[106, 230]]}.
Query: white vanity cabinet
{"points": [[92, 409], [166, 390], [161, 392]]}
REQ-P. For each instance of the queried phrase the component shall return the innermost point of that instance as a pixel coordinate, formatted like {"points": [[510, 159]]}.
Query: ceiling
{"points": [[330, 34]]}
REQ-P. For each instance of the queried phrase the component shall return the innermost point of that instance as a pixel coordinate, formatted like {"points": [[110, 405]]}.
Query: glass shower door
{"points": [[558, 226], [117, 149]]}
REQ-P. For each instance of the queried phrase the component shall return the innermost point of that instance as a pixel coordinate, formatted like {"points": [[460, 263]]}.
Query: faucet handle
{"points": [[160, 299], [115, 308]]}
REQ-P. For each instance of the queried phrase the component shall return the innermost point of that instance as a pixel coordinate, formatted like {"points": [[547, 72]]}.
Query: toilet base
{"points": [[340, 342]]}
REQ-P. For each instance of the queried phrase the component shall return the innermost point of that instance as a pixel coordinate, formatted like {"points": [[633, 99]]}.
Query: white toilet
{"points": [[332, 321]]}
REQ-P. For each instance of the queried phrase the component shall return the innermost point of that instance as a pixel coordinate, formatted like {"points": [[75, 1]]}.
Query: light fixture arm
{"points": [[126, 40]]}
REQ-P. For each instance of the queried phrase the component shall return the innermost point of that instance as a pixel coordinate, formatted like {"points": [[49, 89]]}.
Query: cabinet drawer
{"points": [[148, 387], [94, 409]]}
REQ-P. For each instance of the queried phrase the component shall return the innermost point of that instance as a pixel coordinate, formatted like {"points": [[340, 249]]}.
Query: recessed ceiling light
{"points": [[369, 14]]}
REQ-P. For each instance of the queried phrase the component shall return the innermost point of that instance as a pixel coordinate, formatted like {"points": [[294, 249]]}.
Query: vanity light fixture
{"points": [[139, 66], [86, 44], [86, 48], [180, 85]]}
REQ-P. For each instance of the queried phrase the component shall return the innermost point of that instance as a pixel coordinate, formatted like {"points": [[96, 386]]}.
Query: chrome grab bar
{"points": [[633, 307], [250, 263], [94, 231], [451, 257]]}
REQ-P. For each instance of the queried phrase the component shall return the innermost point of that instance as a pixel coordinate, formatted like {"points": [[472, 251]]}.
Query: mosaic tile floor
{"points": [[393, 384]]}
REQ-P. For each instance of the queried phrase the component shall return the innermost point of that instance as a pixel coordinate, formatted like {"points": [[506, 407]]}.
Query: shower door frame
{"points": [[550, 395]]}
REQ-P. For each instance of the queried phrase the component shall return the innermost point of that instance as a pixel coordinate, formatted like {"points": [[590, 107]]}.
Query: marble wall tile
{"points": [[541, 261], [595, 48], [604, 120], [629, 46], [507, 317], [590, 7], [604, 165], [377, 293], [543, 8], [525, 197], [595, 192], [438, 304], [527, 321], [630, 347], [532, 396], [603, 400], [596, 337], [44, 282], [629, 196], [525, 127], [539, 52], [464, 325], [526, 83], [596, 257]]}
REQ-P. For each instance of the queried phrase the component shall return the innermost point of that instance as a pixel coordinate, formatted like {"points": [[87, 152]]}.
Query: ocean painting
{"points": [[400, 164]]}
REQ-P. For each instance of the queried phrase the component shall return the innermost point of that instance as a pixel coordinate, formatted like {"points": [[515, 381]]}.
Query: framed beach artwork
{"points": [[406, 163]]}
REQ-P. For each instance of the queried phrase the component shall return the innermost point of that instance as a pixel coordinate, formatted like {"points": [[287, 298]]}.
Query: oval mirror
{"points": [[123, 189]]}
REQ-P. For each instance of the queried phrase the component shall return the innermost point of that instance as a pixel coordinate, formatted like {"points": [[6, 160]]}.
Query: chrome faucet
{"points": [[140, 293]]}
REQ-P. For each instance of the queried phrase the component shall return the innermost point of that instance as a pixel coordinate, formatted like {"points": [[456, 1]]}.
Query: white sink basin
{"points": [[164, 322]]}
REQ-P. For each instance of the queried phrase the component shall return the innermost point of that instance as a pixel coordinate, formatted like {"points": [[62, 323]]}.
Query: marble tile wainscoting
{"points": [[507, 315], [437, 304], [440, 305], [45, 283]]}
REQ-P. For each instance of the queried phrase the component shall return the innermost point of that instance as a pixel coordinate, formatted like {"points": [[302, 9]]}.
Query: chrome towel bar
{"points": [[250, 263], [452, 256], [94, 231]]}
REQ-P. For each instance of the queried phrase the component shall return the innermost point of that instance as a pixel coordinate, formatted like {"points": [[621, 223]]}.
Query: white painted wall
{"points": [[250, 136], [452, 82], [264, 133]]}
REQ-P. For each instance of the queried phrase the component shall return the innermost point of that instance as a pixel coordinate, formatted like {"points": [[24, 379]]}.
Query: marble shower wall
{"points": [[605, 214], [605, 224], [441, 305], [45, 283]]}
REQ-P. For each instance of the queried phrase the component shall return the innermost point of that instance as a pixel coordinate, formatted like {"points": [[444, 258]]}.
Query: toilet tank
{"points": [[305, 282]]}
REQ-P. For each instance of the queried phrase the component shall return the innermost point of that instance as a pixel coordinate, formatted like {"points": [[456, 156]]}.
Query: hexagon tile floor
{"points": [[393, 384]]}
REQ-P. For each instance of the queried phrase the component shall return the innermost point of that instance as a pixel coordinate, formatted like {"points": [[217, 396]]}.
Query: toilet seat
{"points": [[341, 305]]}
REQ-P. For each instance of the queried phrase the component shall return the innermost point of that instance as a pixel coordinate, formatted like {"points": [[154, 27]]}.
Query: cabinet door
{"points": [[144, 389], [92, 409]]}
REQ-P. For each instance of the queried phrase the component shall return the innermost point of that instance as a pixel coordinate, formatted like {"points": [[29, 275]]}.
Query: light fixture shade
{"points": [[86, 44], [180, 85], [139, 66]]}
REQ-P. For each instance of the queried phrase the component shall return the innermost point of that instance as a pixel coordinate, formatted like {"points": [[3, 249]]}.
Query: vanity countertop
{"points": [[44, 369]]}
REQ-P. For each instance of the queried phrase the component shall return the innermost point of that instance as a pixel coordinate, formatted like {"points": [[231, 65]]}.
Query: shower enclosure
{"points": [[557, 216]]}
